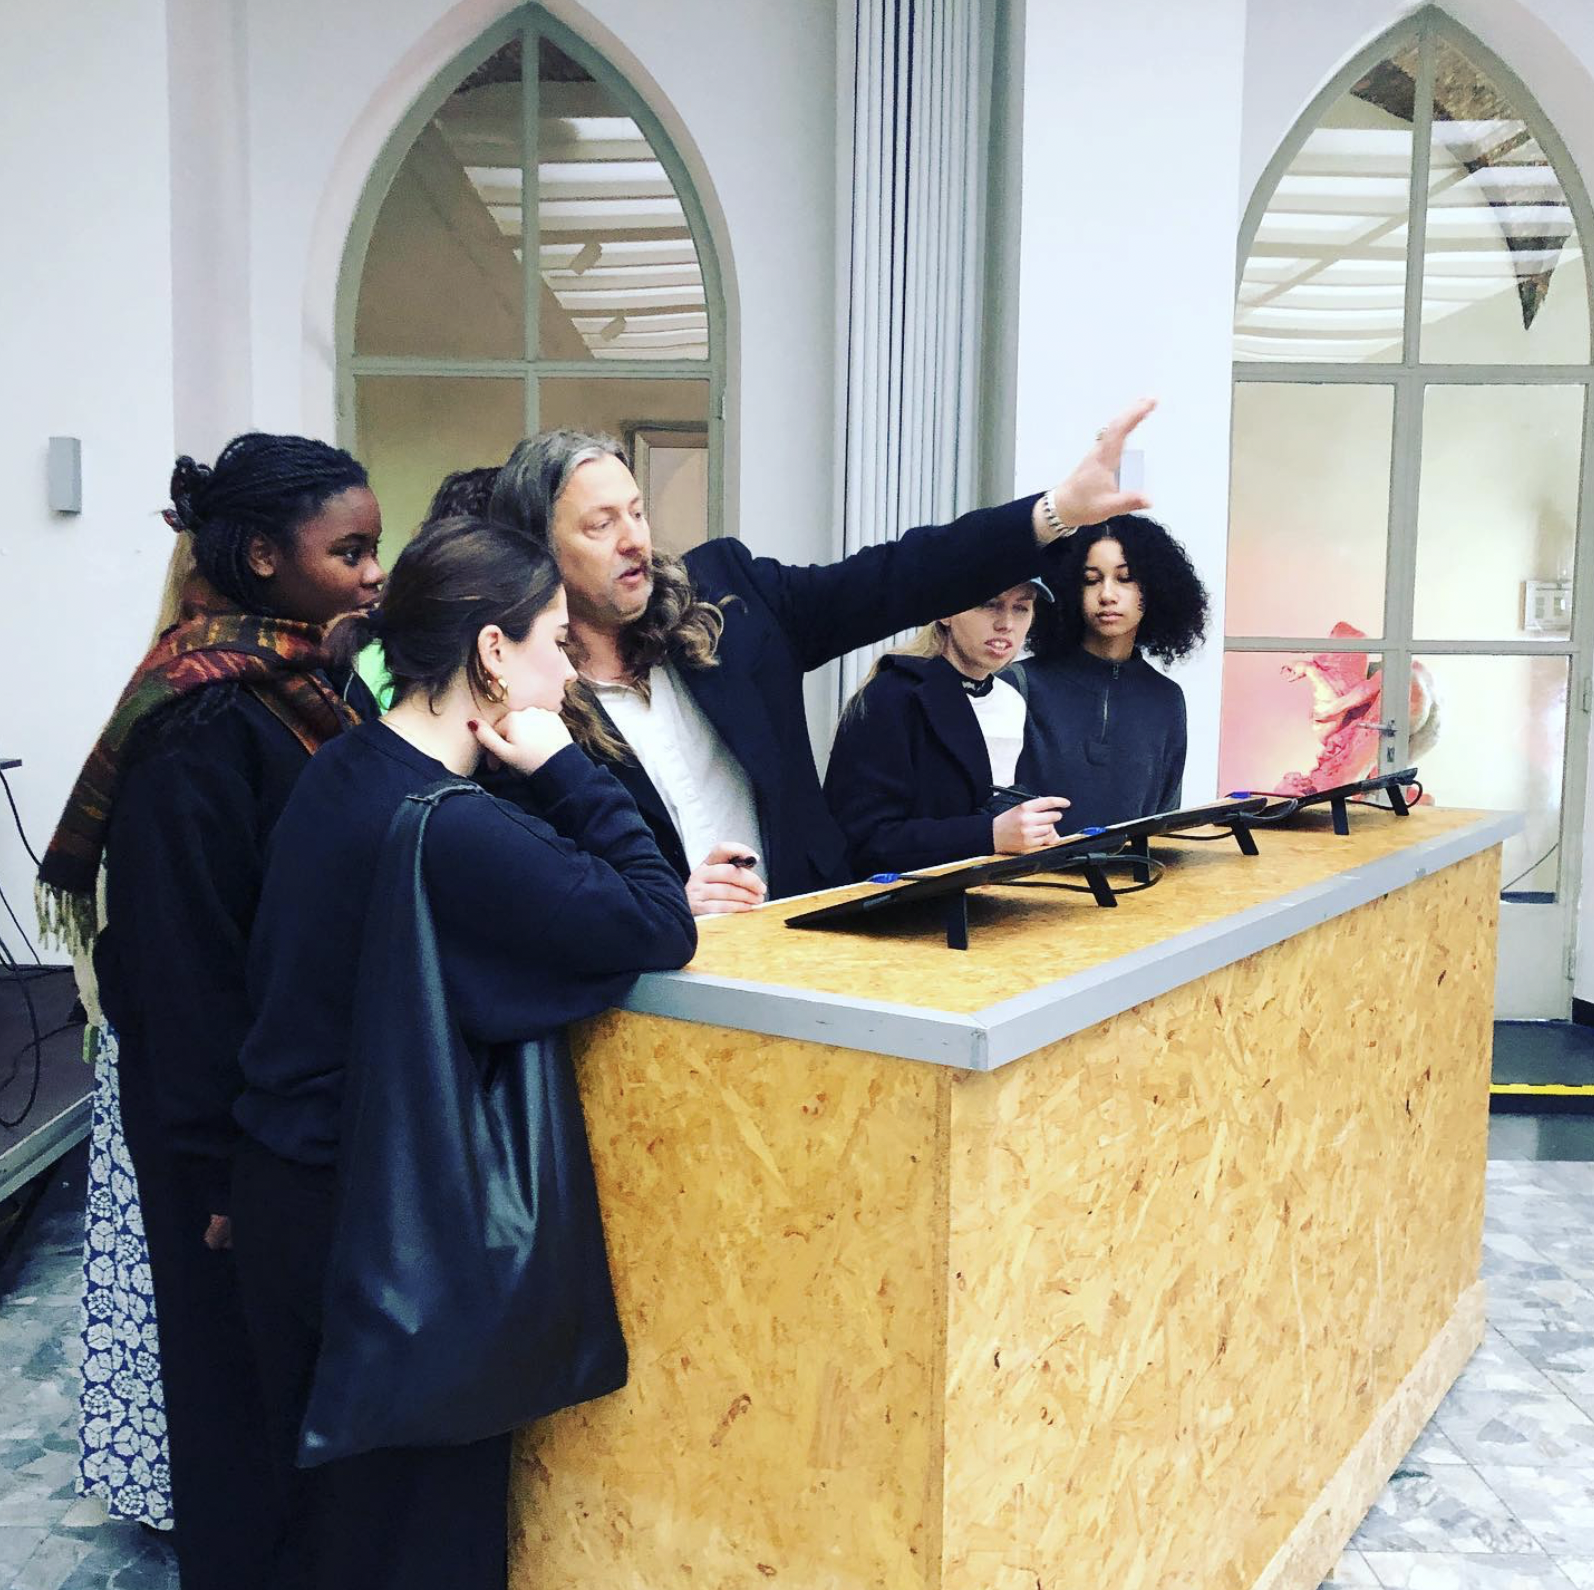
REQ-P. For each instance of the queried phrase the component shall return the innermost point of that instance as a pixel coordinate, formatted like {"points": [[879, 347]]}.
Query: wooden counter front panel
{"points": [[1195, 1248], [775, 1212], [1109, 1316]]}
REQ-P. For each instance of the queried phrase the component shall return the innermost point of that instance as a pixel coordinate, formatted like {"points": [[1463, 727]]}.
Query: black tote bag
{"points": [[468, 1287]]}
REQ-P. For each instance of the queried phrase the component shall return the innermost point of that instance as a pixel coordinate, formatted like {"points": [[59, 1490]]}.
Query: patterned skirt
{"points": [[122, 1429]]}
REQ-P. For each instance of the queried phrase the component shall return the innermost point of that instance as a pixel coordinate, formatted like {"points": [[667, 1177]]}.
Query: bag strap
{"points": [[442, 789], [1018, 679], [408, 824]]}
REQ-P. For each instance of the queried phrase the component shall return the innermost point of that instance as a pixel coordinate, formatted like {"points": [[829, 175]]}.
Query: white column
{"points": [[85, 279], [1129, 220]]}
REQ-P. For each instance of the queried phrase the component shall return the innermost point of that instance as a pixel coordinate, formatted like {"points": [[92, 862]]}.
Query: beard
{"points": [[629, 603]]}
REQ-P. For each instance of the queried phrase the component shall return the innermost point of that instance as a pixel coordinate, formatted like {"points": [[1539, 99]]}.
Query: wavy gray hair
{"points": [[675, 626], [531, 483]]}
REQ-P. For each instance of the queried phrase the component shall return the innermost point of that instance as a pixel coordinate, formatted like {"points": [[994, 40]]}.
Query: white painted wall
{"points": [[1129, 215], [85, 322], [210, 223]]}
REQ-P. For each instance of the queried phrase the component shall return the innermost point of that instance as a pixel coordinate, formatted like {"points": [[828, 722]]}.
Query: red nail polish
{"points": [[472, 725]]}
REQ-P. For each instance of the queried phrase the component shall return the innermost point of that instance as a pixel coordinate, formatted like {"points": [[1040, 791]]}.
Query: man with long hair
{"points": [[692, 668]]}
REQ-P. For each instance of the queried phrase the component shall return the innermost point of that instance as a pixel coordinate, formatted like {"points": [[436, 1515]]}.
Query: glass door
{"points": [[1410, 432]]}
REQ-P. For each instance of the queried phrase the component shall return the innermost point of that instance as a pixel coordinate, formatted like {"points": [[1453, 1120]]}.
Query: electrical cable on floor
{"points": [[13, 971], [16, 1059]]}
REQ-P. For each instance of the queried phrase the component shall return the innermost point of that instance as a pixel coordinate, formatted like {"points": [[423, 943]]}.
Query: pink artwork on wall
{"points": [[1347, 713]]}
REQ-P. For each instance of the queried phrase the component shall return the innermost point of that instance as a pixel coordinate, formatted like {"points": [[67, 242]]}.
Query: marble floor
{"points": [[51, 1539], [1498, 1494]]}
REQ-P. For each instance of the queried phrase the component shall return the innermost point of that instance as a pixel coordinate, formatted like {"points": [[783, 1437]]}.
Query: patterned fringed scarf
{"points": [[212, 642]]}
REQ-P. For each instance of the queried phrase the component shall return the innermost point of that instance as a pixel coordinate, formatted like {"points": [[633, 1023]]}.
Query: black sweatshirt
{"points": [[202, 784], [1110, 737], [540, 919]]}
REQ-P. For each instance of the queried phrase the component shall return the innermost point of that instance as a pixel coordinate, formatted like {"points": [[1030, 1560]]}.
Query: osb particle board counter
{"points": [[1148, 1279]]}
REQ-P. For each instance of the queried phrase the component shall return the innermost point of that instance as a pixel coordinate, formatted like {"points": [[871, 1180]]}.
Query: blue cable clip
{"points": [[1239, 795], [1091, 833], [885, 877]]}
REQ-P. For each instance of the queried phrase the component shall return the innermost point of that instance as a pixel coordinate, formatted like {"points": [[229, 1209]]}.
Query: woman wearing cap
{"points": [[924, 759], [1103, 724]]}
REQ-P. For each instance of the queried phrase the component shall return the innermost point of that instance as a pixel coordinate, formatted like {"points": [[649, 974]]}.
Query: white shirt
{"points": [[704, 788], [1000, 715]]}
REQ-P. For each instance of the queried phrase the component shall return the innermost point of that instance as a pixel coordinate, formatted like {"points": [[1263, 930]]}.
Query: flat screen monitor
{"points": [[955, 879], [1340, 796]]}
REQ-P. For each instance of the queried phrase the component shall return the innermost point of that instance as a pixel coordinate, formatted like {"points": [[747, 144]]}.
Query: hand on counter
{"points": [[718, 886]]}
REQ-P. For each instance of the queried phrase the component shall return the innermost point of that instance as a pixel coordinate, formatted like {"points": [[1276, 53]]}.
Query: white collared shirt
{"points": [[704, 788], [1000, 714]]}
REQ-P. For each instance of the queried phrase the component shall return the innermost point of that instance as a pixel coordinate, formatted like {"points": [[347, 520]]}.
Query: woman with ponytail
{"points": [[540, 908], [152, 880]]}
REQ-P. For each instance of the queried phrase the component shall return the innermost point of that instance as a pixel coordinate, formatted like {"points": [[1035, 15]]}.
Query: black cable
{"points": [[17, 817], [37, 1045], [16, 1059], [1049, 880], [38, 960], [1534, 868]]}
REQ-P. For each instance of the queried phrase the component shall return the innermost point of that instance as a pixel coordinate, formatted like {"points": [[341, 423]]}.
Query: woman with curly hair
{"points": [[1105, 728]]}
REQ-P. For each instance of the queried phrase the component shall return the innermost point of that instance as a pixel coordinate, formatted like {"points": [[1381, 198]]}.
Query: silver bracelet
{"points": [[1053, 523]]}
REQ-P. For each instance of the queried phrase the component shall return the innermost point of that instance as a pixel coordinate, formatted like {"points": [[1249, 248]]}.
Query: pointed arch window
{"points": [[530, 253], [1411, 417]]}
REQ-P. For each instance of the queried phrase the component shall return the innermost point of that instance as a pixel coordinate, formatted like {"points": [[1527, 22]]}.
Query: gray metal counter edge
{"points": [[1016, 1027]]}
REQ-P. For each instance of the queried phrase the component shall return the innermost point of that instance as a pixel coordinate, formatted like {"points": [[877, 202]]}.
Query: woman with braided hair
{"points": [[152, 880]]}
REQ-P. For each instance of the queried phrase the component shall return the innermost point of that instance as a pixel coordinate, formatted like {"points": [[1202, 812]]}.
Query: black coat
{"points": [[909, 770], [202, 785], [786, 620], [546, 910], [203, 782], [1108, 736]]}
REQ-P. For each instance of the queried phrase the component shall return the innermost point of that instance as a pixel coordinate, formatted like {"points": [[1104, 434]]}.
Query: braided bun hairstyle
{"points": [[262, 485]]}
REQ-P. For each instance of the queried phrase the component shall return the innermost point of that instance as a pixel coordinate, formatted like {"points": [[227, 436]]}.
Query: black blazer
{"points": [[782, 620], [909, 770]]}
